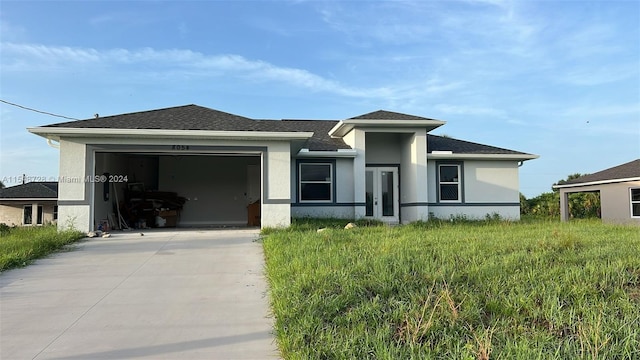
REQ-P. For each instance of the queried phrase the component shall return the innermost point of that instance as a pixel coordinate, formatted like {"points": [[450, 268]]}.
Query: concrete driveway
{"points": [[188, 294]]}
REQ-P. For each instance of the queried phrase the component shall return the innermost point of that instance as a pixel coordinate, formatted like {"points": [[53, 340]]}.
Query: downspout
{"points": [[52, 144], [520, 163]]}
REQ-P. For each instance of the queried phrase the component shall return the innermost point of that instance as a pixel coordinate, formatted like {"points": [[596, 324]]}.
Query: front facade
{"points": [[29, 204], [205, 168], [619, 189]]}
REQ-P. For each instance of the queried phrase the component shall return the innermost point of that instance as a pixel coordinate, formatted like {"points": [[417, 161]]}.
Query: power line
{"points": [[38, 111]]}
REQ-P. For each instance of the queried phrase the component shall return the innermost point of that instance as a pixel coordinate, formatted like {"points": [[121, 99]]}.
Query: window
{"points": [[55, 212], [316, 182], [449, 183], [635, 202], [26, 218], [27, 215]]}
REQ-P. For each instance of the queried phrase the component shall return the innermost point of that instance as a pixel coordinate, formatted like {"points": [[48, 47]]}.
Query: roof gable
{"points": [[387, 115], [32, 190], [624, 171]]}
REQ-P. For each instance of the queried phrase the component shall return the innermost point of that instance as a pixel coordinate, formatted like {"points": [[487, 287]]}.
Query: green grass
{"points": [[20, 245], [462, 290]]}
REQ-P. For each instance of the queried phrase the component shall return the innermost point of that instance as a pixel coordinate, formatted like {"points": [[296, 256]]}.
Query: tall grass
{"points": [[20, 245], [535, 290]]}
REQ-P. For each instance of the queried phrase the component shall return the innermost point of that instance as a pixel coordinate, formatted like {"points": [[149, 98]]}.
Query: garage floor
{"points": [[187, 294]]}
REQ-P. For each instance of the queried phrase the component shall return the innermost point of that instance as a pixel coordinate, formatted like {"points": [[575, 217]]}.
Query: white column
{"points": [[276, 205], [359, 169]]}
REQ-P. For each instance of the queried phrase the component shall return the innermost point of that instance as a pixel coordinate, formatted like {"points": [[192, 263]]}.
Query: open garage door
{"points": [[185, 190]]}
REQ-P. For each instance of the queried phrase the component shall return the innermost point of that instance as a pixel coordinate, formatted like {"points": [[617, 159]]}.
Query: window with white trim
{"points": [[634, 195], [449, 185], [315, 182]]}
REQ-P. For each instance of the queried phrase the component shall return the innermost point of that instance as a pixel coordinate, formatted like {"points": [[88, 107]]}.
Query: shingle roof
{"points": [[387, 115], [194, 117], [441, 143], [187, 117], [321, 141], [624, 171], [32, 190]]}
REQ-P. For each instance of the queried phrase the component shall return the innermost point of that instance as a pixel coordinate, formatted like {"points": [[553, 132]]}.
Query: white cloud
{"points": [[30, 57]]}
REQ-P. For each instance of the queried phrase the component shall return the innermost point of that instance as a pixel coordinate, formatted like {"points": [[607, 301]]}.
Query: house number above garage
{"points": [[180, 147]]}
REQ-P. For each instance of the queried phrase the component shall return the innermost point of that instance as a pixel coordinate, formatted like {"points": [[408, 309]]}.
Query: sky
{"points": [[559, 79]]}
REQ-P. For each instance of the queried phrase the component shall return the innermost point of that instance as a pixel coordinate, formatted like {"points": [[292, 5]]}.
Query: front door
{"points": [[382, 194]]}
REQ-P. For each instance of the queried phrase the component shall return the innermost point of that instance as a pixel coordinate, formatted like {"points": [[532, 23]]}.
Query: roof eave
{"points": [[344, 126], [57, 133], [461, 156], [600, 182]]}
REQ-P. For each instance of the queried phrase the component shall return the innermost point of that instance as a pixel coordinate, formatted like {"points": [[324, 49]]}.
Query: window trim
{"points": [[331, 182], [460, 182], [631, 202]]}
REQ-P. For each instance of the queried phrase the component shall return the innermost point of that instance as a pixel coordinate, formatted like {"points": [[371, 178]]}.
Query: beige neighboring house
{"points": [[619, 189], [34, 203]]}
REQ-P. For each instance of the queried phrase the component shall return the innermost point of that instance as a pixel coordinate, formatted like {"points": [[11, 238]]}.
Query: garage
{"points": [[187, 166], [184, 189]]}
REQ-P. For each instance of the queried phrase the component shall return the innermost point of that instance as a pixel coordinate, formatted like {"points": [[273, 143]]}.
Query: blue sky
{"points": [[560, 79]]}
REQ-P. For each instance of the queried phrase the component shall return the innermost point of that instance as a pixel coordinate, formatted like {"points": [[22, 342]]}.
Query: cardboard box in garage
{"points": [[170, 216]]}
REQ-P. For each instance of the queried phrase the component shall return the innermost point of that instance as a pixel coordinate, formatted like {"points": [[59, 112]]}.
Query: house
{"points": [[619, 189], [381, 165], [33, 203]]}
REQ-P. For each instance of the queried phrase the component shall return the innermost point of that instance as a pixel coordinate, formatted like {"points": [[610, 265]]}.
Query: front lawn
{"points": [[534, 290], [20, 245]]}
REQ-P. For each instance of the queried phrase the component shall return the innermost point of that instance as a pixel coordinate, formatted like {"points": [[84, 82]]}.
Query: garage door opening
{"points": [[187, 190]]}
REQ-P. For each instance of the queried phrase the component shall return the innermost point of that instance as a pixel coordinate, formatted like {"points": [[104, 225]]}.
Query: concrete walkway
{"points": [[185, 294]]}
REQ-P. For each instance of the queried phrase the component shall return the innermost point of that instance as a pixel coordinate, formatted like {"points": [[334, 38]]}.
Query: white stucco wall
{"points": [[356, 138], [490, 182], [276, 208], [414, 177], [73, 170], [74, 216], [341, 212]]}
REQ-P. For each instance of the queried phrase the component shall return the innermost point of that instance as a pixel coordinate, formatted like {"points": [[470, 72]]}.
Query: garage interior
{"points": [[186, 190]]}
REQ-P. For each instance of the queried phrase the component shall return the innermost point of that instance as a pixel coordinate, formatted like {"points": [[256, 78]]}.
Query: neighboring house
{"points": [[619, 189], [381, 165], [33, 203]]}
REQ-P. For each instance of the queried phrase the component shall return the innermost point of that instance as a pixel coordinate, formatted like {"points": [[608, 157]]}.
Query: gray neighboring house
{"points": [[233, 170], [619, 189], [34, 203]]}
